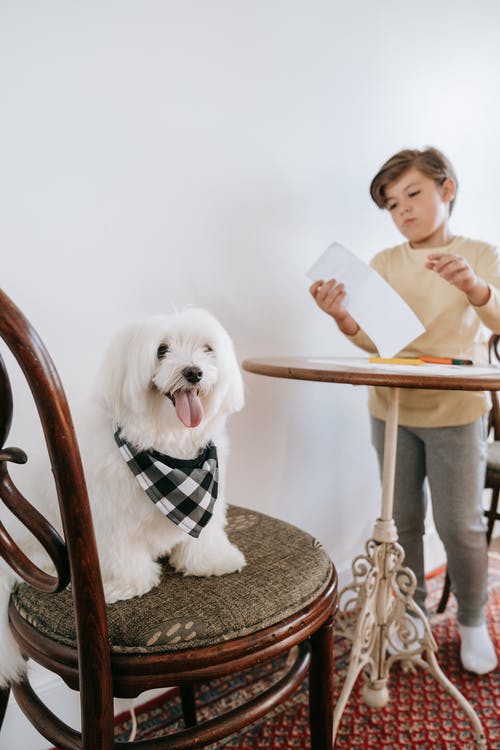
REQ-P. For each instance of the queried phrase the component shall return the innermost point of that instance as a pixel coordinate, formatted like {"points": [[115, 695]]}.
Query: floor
{"points": [[495, 544]]}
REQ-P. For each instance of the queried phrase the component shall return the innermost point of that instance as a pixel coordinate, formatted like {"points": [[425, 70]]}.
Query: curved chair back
{"points": [[75, 559]]}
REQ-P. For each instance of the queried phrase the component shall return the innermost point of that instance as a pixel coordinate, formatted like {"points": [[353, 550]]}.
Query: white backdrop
{"points": [[167, 153], [157, 153]]}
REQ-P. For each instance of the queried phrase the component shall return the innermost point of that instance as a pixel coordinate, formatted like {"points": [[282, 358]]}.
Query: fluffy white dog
{"points": [[150, 441], [168, 385]]}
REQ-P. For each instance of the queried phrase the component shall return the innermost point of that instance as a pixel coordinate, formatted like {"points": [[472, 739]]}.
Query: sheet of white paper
{"points": [[459, 371], [372, 302]]}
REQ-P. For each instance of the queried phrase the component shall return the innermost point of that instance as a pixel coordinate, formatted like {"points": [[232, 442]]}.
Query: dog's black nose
{"points": [[193, 374]]}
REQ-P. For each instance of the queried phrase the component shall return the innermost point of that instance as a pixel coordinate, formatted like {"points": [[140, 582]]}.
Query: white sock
{"points": [[477, 652]]}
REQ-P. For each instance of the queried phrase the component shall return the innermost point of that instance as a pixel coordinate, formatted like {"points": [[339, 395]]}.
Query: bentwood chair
{"points": [[492, 479], [284, 600]]}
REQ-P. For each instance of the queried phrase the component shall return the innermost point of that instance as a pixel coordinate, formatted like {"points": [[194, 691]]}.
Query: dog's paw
{"points": [[229, 560], [124, 587], [193, 560]]}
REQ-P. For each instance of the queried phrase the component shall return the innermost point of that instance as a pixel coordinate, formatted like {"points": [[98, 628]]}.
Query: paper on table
{"points": [[377, 308], [459, 371]]}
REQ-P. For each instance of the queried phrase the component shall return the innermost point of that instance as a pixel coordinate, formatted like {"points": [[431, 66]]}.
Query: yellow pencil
{"points": [[396, 361]]}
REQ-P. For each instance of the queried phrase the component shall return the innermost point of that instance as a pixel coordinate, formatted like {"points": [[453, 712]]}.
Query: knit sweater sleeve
{"points": [[488, 268], [362, 340]]}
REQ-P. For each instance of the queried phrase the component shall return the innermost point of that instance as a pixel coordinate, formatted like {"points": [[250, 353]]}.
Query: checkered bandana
{"points": [[184, 491]]}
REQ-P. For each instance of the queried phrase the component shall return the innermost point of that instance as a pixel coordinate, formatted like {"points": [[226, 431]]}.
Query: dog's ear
{"points": [[126, 370], [233, 398]]}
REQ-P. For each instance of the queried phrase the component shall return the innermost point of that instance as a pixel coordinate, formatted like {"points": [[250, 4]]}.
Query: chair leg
{"points": [[321, 687], [445, 595], [188, 703], [4, 699], [492, 514]]}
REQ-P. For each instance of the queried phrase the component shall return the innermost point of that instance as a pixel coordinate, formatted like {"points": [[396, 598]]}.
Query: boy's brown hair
{"points": [[430, 162]]}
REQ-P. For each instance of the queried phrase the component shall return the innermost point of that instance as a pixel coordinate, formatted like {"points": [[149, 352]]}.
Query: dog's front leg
{"points": [[212, 554], [138, 576]]}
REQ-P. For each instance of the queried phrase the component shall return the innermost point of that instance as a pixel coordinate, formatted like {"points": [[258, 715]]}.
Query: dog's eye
{"points": [[162, 350], [207, 348]]}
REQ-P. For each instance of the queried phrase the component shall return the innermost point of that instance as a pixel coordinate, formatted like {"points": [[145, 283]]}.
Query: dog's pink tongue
{"points": [[188, 408]]}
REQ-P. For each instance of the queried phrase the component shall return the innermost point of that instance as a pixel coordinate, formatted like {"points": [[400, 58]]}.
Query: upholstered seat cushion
{"points": [[286, 570], [494, 456]]}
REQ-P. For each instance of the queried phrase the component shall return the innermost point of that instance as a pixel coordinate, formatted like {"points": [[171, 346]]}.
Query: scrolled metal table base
{"points": [[378, 614]]}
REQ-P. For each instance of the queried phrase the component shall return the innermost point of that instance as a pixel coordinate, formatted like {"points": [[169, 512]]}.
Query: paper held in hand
{"points": [[375, 306]]}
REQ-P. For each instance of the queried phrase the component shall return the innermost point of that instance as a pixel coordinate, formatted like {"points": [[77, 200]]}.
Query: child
{"points": [[453, 285]]}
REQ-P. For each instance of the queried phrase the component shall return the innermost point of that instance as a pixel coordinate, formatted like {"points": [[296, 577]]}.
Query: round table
{"points": [[377, 612]]}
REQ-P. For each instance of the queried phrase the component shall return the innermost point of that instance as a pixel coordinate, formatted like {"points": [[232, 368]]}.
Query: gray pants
{"points": [[454, 461]]}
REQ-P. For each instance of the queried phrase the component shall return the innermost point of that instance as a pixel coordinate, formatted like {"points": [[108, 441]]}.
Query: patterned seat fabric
{"points": [[286, 570]]}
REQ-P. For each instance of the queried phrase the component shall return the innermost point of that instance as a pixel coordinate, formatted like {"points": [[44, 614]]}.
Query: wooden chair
{"points": [[492, 479], [284, 599]]}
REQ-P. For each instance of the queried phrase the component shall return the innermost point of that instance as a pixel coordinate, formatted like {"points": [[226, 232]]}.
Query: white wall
{"points": [[156, 152]]}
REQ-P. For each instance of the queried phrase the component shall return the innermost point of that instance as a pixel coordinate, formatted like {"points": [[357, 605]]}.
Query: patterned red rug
{"points": [[419, 716]]}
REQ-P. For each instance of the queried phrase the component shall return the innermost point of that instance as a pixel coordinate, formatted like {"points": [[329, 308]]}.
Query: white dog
{"points": [[157, 420]]}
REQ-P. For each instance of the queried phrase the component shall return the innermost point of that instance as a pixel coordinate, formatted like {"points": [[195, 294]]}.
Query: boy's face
{"points": [[419, 207]]}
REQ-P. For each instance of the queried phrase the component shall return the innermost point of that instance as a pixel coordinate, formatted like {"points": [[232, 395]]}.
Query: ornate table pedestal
{"points": [[378, 614]]}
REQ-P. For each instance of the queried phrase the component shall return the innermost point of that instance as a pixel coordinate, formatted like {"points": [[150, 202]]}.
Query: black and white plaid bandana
{"points": [[184, 491]]}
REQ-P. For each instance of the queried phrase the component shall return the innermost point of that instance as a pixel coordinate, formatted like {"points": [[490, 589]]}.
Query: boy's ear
{"points": [[448, 189]]}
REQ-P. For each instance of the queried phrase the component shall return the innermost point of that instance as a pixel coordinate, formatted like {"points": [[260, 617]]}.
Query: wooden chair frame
{"points": [[492, 478], [92, 668]]}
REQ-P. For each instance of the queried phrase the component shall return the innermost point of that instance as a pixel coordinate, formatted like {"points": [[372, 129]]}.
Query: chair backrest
{"points": [[75, 558], [494, 358]]}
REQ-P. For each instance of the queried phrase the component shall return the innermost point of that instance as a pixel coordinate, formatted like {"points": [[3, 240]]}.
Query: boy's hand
{"points": [[456, 271], [330, 297]]}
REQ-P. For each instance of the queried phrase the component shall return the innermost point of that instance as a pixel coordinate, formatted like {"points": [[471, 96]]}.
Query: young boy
{"points": [[453, 285]]}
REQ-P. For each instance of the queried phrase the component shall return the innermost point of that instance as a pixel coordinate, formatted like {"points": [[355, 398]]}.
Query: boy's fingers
{"points": [[330, 283], [335, 293], [461, 277], [439, 260], [328, 286], [449, 266], [321, 293], [315, 286], [328, 295], [444, 261]]}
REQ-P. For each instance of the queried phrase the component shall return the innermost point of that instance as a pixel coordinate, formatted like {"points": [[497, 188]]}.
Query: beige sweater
{"points": [[453, 328]]}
